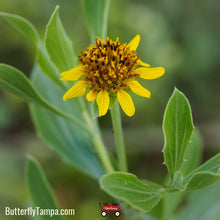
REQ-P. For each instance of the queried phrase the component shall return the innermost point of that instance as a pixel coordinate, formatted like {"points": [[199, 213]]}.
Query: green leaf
{"points": [[152, 185], [23, 26], [204, 175], [202, 204], [211, 165], [96, 14], [29, 31], [64, 137], [177, 128], [58, 44], [128, 188], [17, 83], [193, 154], [39, 188], [202, 179], [47, 66]]}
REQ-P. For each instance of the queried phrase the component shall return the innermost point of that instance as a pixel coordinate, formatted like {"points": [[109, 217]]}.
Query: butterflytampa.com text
{"points": [[37, 211]]}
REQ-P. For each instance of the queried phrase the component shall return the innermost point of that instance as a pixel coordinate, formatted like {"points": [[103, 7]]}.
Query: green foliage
{"points": [[75, 148], [96, 14], [212, 165], [39, 188], [177, 181], [47, 66], [171, 202], [23, 26], [29, 31], [204, 175], [166, 207], [202, 179], [63, 127], [65, 138], [132, 214], [177, 128], [202, 204], [128, 188], [193, 154], [17, 83], [58, 44]]}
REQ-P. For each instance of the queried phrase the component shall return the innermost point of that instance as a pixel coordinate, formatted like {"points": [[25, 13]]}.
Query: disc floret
{"points": [[108, 65]]}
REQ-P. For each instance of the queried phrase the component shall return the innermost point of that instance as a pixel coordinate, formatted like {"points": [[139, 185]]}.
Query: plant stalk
{"points": [[97, 140], [119, 139], [103, 154]]}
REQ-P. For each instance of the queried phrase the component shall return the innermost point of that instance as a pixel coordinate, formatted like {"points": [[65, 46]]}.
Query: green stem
{"points": [[119, 140], [97, 140], [102, 152]]}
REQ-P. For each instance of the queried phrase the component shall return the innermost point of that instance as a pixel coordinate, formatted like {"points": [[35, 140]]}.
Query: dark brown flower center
{"points": [[108, 65]]}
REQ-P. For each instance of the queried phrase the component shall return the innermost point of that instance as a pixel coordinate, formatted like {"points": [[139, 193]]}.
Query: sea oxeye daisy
{"points": [[110, 69]]}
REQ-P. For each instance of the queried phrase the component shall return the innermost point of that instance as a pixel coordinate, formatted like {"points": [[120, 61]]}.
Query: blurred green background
{"points": [[182, 36]]}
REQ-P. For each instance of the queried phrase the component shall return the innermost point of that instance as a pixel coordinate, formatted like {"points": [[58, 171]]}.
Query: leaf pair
{"points": [[181, 153]]}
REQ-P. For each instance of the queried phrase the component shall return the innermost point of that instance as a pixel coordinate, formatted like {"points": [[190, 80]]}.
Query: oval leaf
{"points": [[177, 128], [58, 44], [39, 188], [128, 188]]}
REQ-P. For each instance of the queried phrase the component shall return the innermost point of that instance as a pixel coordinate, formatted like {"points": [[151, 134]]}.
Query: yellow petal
{"points": [[137, 88], [141, 63], [133, 44], [91, 96], [77, 90], [102, 100], [150, 73], [72, 74], [126, 102]]}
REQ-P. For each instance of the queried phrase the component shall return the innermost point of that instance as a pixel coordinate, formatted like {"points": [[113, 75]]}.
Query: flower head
{"points": [[107, 70]]}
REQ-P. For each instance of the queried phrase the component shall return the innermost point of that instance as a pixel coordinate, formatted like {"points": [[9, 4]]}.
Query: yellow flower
{"points": [[109, 69]]}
